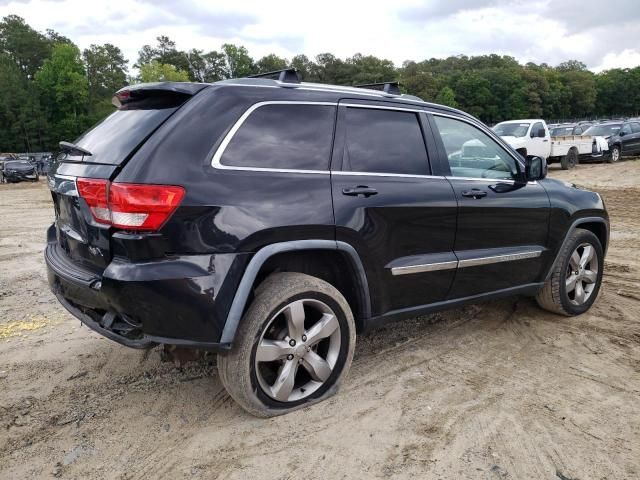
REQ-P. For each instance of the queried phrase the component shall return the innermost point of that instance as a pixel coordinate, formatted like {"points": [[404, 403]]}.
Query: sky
{"points": [[603, 35]]}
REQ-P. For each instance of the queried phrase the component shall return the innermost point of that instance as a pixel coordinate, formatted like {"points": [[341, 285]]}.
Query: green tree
{"points": [[161, 72], [238, 62], [270, 63], [25, 46], [64, 92], [446, 96], [106, 70]]}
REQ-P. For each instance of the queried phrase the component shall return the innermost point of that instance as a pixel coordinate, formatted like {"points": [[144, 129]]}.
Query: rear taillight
{"points": [[94, 193], [130, 206]]}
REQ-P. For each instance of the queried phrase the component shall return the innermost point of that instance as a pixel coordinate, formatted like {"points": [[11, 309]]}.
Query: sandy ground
{"points": [[500, 390]]}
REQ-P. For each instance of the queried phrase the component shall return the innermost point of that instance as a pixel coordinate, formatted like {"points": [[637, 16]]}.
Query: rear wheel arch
{"points": [[324, 259]]}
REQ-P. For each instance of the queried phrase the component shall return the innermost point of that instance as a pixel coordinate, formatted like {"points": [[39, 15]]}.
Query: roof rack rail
{"points": [[392, 88], [287, 75]]}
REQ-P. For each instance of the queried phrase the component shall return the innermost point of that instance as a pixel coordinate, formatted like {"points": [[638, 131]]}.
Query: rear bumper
{"points": [[178, 301]]}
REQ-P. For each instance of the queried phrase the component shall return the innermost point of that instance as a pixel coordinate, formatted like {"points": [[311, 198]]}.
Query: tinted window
{"points": [[384, 141], [536, 128], [635, 127], [295, 137], [472, 153], [603, 130], [114, 138]]}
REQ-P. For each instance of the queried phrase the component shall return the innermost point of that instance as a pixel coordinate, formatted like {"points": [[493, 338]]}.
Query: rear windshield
{"points": [[113, 139]]}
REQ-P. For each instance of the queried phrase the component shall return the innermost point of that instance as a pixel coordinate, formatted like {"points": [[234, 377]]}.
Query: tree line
{"points": [[50, 90]]}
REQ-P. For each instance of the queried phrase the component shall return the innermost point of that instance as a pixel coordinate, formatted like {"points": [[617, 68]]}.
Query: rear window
{"points": [[384, 141], [283, 136], [113, 139]]}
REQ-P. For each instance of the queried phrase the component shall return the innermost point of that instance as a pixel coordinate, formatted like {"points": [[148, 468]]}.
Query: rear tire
{"points": [[570, 160], [575, 281], [293, 348]]}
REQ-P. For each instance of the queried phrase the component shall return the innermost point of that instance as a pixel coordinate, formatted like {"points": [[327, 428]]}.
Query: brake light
{"points": [[94, 193], [130, 206]]}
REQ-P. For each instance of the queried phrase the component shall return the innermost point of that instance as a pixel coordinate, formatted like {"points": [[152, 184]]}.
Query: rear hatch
{"points": [[88, 164]]}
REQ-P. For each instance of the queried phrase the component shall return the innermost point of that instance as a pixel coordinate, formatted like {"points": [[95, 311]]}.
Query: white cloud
{"points": [[532, 30]]}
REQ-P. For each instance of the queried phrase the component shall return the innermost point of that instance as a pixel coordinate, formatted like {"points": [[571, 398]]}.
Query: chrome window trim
{"points": [[425, 267], [482, 128], [381, 174], [382, 107], [470, 262], [216, 159]]}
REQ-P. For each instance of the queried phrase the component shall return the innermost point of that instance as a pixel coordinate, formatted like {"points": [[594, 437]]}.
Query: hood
{"points": [[514, 140], [19, 167]]}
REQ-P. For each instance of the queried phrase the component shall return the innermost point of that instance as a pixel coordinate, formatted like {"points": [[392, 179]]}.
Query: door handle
{"points": [[359, 190], [545, 140], [474, 193]]}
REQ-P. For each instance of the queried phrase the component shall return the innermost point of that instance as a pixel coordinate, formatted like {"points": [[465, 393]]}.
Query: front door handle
{"points": [[474, 193], [359, 190]]}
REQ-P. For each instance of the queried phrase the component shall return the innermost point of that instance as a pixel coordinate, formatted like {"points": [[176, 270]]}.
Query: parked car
{"points": [[532, 137], [20, 170], [623, 138], [301, 215], [5, 157], [568, 129]]}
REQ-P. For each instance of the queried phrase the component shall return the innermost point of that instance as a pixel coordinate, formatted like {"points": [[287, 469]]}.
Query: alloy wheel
{"points": [[298, 350], [615, 154], [582, 274]]}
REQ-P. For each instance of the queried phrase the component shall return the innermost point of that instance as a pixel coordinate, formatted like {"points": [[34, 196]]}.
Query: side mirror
{"points": [[535, 168], [621, 133]]}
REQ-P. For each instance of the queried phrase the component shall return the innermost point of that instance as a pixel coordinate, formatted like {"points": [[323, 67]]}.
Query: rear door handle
{"points": [[474, 193], [363, 190]]}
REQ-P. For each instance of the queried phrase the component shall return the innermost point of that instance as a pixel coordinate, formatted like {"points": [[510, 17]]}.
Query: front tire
{"points": [[575, 280], [615, 154], [293, 348]]}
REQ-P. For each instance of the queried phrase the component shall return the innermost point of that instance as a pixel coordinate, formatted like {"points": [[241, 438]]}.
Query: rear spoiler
{"points": [[132, 93]]}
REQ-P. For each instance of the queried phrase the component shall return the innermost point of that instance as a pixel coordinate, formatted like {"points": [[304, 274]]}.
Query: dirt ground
{"points": [[494, 391]]}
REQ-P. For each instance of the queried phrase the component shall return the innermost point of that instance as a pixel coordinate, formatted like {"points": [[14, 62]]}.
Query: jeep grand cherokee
{"points": [[270, 220]]}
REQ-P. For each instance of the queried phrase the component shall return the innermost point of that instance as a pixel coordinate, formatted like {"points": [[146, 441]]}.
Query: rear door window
{"points": [[283, 136], [384, 141]]}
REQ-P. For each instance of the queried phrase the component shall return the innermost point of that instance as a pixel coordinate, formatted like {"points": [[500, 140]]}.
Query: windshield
{"points": [[16, 163], [603, 130], [511, 129]]}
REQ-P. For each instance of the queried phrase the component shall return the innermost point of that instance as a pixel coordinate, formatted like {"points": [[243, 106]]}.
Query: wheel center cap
{"points": [[300, 350]]}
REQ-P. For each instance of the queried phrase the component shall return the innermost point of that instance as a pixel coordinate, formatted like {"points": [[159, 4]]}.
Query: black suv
{"points": [[623, 137], [270, 220]]}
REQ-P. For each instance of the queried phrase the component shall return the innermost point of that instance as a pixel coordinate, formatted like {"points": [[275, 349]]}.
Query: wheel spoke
{"points": [[579, 293], [294, 314], [574, 261], [283, 386], [317, 366], [571, 282], [322, 329], [270, 350], [590, 276], [587, 255]]}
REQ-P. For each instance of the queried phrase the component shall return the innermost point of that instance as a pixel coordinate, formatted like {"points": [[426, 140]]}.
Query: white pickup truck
{"points": [[531, 137]]}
